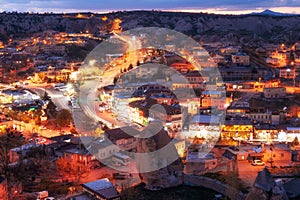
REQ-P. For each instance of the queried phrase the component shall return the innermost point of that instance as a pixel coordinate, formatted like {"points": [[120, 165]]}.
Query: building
{"points": [[78, 154], [194, 77], [199, 164], [265, 131], [53, 74], [237, 128], [205, 126], [287, 73], [290, 133], [192, 105], [241, 59], [260, 85], [238, 109], [164, 99], [180, 146], [281, 56], [213, 98], [101, 189], [230, 50], [274, 93], [182, 67], [123, 137], [239, 73], [263, 117], [141, 113], [17, 154], [219, 59]]}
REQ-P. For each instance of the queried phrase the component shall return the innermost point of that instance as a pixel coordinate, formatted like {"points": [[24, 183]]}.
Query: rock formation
{"points": [[265, 188], [158, 163]]}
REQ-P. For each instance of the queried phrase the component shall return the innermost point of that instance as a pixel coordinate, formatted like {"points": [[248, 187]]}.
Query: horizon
{"points": [[192, 6], [283, 10]]}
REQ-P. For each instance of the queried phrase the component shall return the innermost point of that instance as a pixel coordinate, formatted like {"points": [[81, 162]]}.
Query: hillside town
{"points": [[73, 123]]}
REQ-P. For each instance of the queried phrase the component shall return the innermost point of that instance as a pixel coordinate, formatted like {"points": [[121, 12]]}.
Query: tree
{"points": [[51, 109], [130, 67], [37, 120], [138, 63], [68, 167], [98, 132], [115, 80], [295, 142], [46, 97], [8, 141], [73, 130], [63, 117]]}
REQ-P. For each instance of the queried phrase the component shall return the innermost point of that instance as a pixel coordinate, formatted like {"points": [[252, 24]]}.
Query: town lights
{"points": [[282, 136]]}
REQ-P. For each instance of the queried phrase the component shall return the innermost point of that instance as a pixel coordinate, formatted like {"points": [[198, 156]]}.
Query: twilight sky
{"points": [[215, 6]]}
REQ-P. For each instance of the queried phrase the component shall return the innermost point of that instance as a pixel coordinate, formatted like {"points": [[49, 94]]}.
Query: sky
{"points": [[211, 6]]}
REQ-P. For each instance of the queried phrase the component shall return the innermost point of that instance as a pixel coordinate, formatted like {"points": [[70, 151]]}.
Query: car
{"points": [[50, 198], [258, 163]]}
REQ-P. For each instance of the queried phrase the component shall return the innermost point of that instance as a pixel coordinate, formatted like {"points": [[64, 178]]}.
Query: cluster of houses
{"points": [[42, 55]]}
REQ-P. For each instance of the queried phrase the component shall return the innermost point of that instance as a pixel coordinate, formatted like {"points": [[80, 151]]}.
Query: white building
{"points": [[287, 73]]}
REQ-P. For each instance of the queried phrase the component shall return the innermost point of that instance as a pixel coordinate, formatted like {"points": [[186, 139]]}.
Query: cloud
{"points": [[101, 5]]}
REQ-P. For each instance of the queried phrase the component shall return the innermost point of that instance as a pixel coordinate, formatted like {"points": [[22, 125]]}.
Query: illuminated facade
{"points": [[237, 130]]}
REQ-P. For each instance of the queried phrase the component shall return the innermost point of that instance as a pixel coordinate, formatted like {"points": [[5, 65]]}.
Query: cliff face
{"points": [[157, 160], [244, 28]]}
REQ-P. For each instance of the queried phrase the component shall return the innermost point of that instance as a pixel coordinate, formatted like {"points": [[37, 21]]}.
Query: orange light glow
{"points": [[79, 15], [104, 18]]}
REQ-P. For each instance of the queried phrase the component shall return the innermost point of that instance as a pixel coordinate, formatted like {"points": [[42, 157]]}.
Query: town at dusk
{"points": [[150, 100]]}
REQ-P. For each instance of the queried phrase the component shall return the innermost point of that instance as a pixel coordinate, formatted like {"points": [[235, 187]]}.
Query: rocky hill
{"points": [[243, 29]]}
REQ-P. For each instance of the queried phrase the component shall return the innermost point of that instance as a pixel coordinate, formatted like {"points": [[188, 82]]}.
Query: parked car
{"points": [[258, 163]]}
